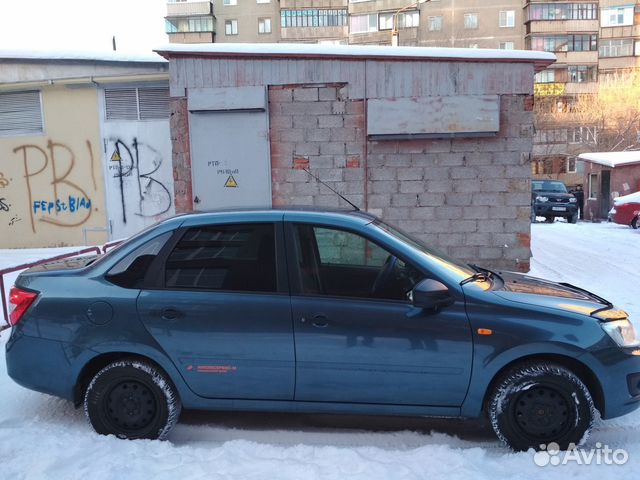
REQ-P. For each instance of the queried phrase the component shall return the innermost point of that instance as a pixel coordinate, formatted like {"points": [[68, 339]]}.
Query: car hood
{"points": [[558, 196], [528, 290]]}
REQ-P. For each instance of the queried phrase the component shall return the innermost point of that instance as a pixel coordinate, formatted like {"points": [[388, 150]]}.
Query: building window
{"points": [[593, 186], [470, 20], [189, 24], [385, 21], [313, 18], [506, 46], [364, 23], [229, 2], [622, 47], [583, 135], [507, 19], [264, 25], [562, 11], [231, 27], [143, 103], [563, 43], [405, 20], [546, 76], [617, 16], [435, 23], [21, 113], [582, 73], [572, 165]]}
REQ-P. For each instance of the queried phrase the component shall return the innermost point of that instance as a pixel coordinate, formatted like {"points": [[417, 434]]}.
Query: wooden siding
{"points": [[366, 78]]}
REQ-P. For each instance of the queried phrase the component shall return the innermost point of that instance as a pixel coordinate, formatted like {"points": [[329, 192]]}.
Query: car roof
{"points": [[297, 213]]}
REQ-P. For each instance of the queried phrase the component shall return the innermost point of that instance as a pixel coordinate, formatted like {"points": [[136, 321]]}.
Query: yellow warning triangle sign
{"points": [[116, 156], [231, 182]]}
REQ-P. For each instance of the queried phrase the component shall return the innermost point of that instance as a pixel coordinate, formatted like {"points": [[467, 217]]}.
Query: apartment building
{"points": [[472, 24], [593, 42], [454, 23]]}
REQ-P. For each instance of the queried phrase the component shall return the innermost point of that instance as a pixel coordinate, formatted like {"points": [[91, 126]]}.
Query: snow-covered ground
{"points": [[42, 437]]}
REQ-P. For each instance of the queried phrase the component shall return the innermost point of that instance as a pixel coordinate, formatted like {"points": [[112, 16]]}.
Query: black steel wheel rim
{"points": [[543, 412], [130, 406]]}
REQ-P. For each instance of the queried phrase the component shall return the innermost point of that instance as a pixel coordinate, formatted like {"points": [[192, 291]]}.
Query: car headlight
{"points": [[622, 332], [542, 199], [573, 200]]}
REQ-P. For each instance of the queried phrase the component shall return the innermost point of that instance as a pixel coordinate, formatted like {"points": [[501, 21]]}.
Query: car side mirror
{"points": [[431, 293]]}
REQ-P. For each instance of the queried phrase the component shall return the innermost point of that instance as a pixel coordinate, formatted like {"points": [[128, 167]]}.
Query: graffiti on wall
{"points": [[134, 166], [4, 182], [55, 196]]}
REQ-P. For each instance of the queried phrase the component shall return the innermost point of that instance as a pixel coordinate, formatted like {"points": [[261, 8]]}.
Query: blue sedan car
{"points": [[316, 311]]}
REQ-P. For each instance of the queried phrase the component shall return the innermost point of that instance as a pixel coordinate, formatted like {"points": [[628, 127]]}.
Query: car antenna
{"points": [[333, 190]]}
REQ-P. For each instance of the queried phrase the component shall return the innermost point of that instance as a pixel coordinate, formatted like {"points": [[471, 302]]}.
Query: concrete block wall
{"points": [[469, 197]]}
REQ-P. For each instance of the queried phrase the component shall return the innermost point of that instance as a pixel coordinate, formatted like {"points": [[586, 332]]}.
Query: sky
{"points": [[86, 25]]}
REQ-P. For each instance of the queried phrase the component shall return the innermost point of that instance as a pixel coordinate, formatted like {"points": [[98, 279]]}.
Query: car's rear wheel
{"points": [[132, 399], [535, 404], [635, 223]]}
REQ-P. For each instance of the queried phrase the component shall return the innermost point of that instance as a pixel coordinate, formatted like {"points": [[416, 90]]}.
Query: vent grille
{"points": [[20, 113], [144, 103]]}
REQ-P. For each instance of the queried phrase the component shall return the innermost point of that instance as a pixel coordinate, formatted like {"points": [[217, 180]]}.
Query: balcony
{"points": [[577, 58], [298, 4], [314, 33], [562, 26], [185, 9]]}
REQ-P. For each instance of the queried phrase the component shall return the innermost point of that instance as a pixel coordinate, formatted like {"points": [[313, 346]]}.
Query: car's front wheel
{"points": [[132, 399], [535, 404]]}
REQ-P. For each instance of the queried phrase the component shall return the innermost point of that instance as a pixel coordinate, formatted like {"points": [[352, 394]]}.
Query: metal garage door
{"points": [[229, 132]]}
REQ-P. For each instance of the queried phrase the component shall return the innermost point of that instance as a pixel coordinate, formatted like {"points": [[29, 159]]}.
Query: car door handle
{"points": [[320, 321], [170, 314]]}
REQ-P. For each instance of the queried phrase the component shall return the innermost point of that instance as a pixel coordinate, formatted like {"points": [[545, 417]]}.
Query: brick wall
{"points": [[181, 154], [468, 197]]}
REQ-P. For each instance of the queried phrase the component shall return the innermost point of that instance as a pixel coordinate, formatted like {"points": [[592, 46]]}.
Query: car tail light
{"points": [[20, 301]]}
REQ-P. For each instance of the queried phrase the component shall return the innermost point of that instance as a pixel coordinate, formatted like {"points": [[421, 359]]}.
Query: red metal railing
{"points": [[24, 266]]}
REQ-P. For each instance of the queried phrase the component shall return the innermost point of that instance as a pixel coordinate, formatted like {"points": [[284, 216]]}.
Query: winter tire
{"points": [[132, 399], [573, 218], [535, 404], [549, 219], [635, 223]]}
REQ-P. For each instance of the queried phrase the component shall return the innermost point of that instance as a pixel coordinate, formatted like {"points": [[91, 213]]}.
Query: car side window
{"points": [[237, 258], [337, 262], [131, 270]]}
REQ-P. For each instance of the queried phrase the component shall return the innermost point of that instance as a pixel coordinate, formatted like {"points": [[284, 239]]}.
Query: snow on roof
{"points": [[611, 159], [315, 49], [631, 198], [79, 55]]}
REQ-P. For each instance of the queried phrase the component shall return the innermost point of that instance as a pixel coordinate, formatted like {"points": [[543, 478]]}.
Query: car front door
{"points": [[358, 338], [221, 311]]}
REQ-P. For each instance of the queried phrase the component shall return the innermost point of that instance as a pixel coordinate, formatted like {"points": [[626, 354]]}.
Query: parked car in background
{"points": [[626, 210], [316, 311], [550, 199]]}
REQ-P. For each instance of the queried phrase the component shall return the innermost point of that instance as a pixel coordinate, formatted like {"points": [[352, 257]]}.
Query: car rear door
{"points": [[221, 311]]}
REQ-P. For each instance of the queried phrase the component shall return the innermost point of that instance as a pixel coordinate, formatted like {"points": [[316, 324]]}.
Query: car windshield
{"points": [[548, 186], [459, 269]]}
